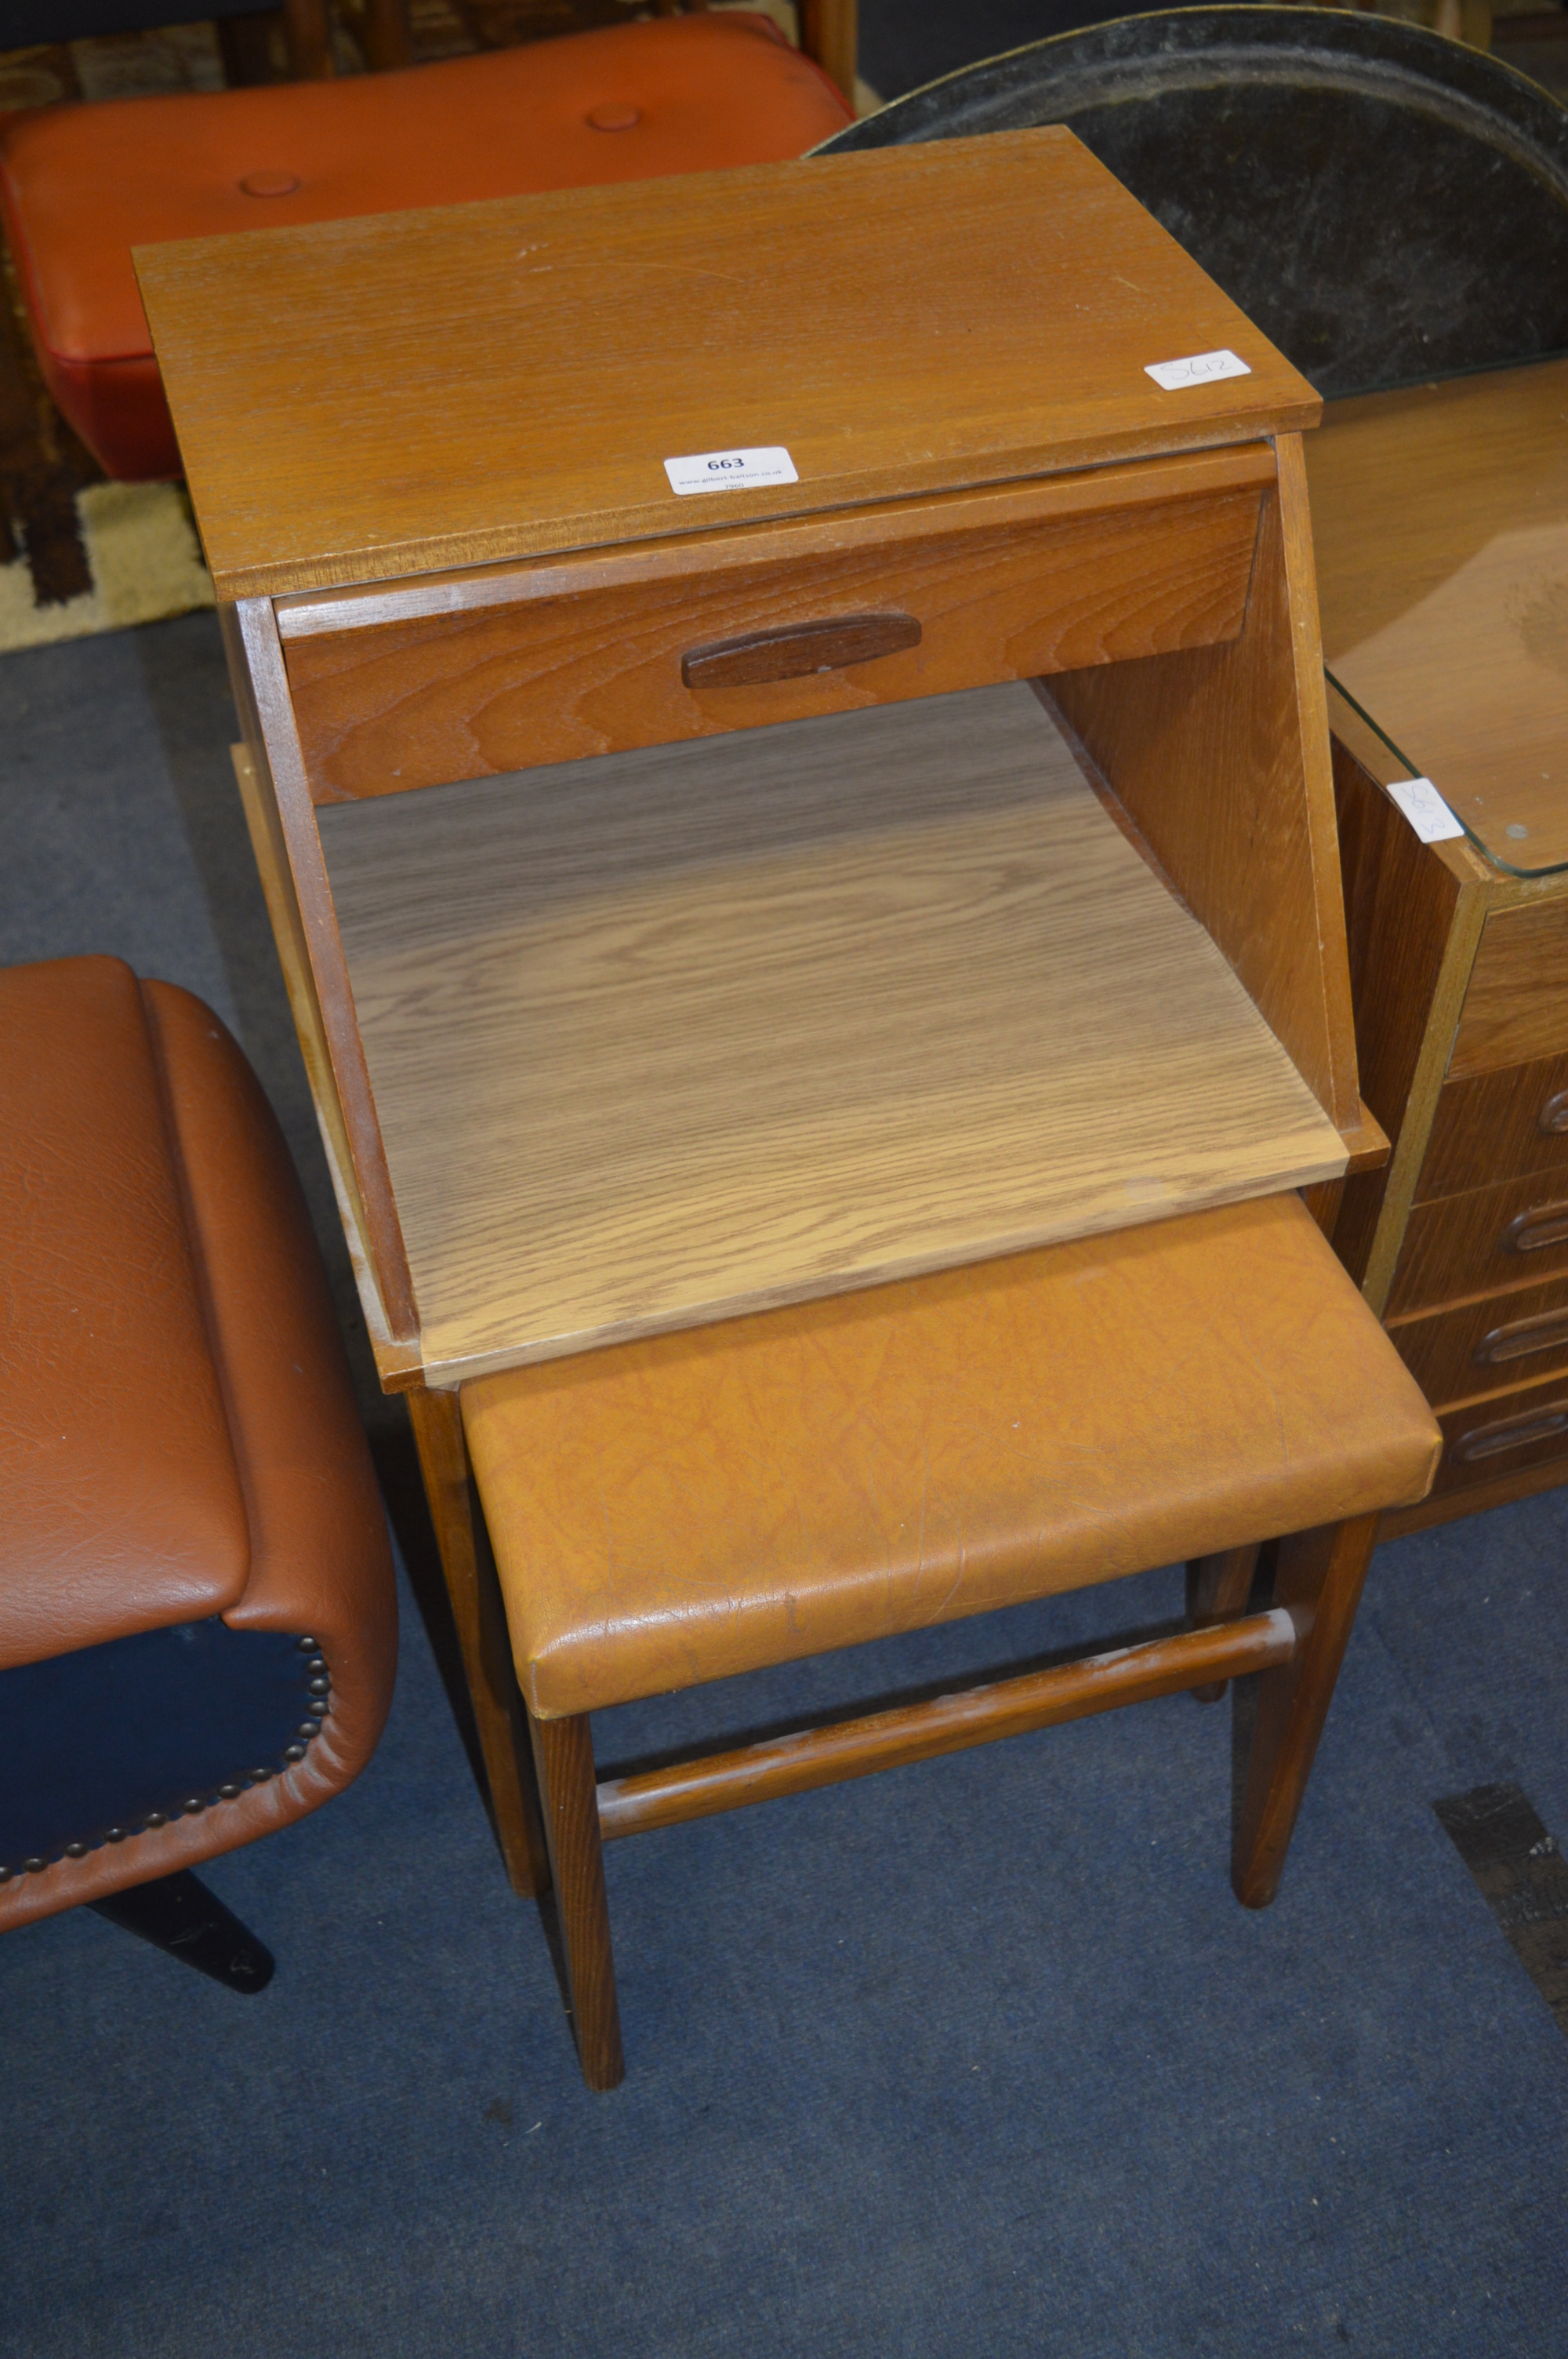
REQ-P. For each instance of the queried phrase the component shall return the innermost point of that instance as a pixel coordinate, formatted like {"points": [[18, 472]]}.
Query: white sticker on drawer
{"points": [[1198, 368], [1425, 810], [732, 471]]}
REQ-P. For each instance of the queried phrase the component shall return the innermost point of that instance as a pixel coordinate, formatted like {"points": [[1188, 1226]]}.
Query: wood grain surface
{"points": [[590, 656], [1222, 757], [287, 847], [686, 1032], [1504, 1434], [1517, 1007], [809, 1758], [1485, 1345], [1317, 1580], [395, 1361], [1412, 928], [1442, 521], [1496, 1124], [1511, 1234], [481, 1619], [1218, 1589], [563, 1751], [360, 399]]}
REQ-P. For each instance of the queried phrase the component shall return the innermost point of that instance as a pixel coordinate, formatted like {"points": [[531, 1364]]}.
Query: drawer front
{"points": [[1517, 1007], [1454, 1354], [1499, 1125], [605, 660], [1503, 1436], [1503, 1236]]}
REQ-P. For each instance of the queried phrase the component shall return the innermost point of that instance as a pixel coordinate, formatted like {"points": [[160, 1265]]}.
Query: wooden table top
{"points": [[1440, 515], [360, 400]]}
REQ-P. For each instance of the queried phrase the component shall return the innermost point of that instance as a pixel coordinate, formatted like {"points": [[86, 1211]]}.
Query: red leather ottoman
{"points": [[79, 186], [197, 1623]]}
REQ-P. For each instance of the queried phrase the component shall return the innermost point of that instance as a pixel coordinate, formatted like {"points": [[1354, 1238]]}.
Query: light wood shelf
{"points": [[663, 1035]]}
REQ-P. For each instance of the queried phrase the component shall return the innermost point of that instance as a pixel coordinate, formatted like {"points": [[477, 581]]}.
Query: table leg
{"points": [[1319, 1581], [1218, 1589], [563, 1750], [480, 1621]]}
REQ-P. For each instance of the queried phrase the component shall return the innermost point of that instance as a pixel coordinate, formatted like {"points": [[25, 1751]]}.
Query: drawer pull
{"points": [[797, 649], [1531, 1231], [1511, 1433], [1552, 1120], [1547, 1332]]}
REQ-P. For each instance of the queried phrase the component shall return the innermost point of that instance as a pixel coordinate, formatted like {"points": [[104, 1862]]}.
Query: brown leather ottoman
{"points": [[197, 1625]]}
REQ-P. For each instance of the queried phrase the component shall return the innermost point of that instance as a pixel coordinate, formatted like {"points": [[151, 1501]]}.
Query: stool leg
{"points": [[481, 1633], [563, 1750], [1319, 1581], [384, 31], [1218, 1589], [308, 30]]}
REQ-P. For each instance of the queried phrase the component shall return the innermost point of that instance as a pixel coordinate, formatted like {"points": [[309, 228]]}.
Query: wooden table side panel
{"points": [[1517, 1007], [1399, 906], [331, 1038], [1221, 757], [283, 911], [468, 695], [1307, 701]]}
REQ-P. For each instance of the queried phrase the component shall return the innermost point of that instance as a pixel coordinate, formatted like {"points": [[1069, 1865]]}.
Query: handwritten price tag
{"points": [[1425, 810], [1198, 368], [730, 471]]}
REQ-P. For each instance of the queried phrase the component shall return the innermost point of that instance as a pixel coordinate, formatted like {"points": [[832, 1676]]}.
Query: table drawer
{"points": [[1502, 1436], [602, 653], [1517, 1006], [1497, 1126], [1501, 1236], [1454, 1354]]}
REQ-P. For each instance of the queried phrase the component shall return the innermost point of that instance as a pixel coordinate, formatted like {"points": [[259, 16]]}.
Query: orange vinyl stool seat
{"points": [[80, 186], [674, 1511]]}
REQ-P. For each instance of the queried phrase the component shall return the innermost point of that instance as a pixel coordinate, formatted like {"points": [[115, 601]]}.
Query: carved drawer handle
{"points": [[1547, 1332], [1531, 1231], [1553, 1119], [797, 649], [1511, 1433]]}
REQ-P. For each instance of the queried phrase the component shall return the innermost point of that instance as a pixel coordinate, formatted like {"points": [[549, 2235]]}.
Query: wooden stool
{"points": [[677, 1510]]}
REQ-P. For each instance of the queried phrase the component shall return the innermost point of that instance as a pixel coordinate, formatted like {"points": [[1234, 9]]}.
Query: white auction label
{"points": [[1198, 368], [1425, 810], [732, 471]]}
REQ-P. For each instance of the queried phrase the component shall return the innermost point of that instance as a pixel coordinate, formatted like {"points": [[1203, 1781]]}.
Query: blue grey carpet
{"points": [[976, 2058]]}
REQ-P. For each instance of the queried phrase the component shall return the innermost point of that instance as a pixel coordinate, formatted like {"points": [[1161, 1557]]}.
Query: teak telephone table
{"points": [[1441, 518], [695, 904]]}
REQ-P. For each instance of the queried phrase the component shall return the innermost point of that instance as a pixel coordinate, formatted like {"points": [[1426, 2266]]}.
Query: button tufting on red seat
{"points": [[80, 186]]}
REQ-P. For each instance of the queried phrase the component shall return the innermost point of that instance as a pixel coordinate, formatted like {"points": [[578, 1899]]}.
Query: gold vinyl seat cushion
{"points": [[678, 1509]]}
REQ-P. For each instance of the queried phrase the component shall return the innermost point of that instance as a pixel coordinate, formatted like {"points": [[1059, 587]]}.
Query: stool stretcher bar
{"points": [[949, 1723]]}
